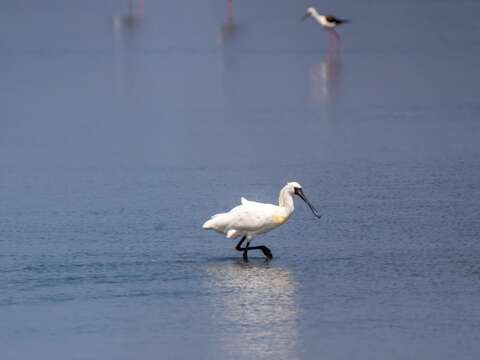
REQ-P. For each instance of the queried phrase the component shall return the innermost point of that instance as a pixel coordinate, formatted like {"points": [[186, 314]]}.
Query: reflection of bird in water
{"points": [[127, 36], [328, 22], [258, 304], [228, 28], [134, 16], [252, 218], [325, 79]]}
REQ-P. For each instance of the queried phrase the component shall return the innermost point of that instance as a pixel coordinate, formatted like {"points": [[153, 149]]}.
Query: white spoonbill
{"points": [[328, 22], [253, 218]]}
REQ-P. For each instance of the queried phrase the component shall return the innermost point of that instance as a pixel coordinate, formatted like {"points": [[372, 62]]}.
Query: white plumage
{"points": [[253, 218], [248, 219]]}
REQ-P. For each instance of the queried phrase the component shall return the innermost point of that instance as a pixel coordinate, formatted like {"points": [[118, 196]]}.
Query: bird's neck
{"points": [[317, 16], [285, 201]]}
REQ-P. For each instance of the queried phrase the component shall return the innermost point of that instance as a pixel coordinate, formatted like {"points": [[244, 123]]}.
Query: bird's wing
{"points": [[251, 216], [249, 202], [335, 20], [331, 18]]}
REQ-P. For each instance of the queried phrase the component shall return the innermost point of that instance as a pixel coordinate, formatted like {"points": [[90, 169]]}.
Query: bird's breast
{"points": [[279, 219]]}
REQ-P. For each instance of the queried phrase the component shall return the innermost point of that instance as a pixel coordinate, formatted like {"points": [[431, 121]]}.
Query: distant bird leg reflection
{"points": [[133, 17], [140, 11], [228, 28], [325, 79], [230, 10]]}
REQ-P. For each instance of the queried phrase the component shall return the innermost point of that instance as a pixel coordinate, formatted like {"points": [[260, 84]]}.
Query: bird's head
{"points": [[291, 186], [310, 12], [295, 188]]}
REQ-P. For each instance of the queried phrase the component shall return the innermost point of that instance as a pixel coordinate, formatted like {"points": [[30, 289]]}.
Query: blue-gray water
{"points": [[119, 138]]}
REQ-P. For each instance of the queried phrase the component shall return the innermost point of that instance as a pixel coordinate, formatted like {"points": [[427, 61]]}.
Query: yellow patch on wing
{"points": [[279, 219]]}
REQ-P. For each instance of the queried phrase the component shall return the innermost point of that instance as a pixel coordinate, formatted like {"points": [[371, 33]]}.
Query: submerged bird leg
{"points": [[245, 254], [244, 249]]}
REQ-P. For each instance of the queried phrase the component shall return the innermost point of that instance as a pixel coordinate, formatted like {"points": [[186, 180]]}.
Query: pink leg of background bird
{"points": [[331, 45], [337, 36], [230, 9]]}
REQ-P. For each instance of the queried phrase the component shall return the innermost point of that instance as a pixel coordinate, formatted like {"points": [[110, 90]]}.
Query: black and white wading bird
{"points": [[252, 218], [328, 22]]}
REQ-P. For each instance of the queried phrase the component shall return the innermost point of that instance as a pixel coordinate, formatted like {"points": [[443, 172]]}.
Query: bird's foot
{"points": [[266, 251]]}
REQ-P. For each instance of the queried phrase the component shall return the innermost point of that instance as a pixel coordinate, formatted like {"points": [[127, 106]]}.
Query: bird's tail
{"points": [[216, 222], [209, 224]]}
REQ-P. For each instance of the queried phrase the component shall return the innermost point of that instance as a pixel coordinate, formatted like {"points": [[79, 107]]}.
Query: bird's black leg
{"points": [[244, 249], [245, 255], [266, 251]]}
